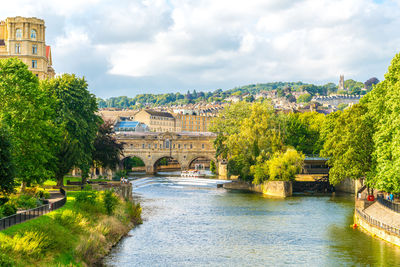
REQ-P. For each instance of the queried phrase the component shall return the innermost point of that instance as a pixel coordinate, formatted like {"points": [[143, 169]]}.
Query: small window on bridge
{"points": [[191, 146], [179, 145], [184, 146], [143, 146], [155, 145], [174, 145], [202, 146], [149, 145]]}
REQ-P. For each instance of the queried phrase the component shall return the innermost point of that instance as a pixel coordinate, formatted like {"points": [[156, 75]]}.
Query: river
{"points": [[191, 222]]}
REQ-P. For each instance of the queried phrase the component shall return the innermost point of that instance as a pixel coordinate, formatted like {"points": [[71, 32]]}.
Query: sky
{"points": [[129, 47]]}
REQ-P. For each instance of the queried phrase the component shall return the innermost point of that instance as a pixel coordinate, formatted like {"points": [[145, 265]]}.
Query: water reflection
{"points": [[191, 222]]}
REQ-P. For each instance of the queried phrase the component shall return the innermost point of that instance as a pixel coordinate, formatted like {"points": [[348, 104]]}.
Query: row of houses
{"points": [[158, 121]]}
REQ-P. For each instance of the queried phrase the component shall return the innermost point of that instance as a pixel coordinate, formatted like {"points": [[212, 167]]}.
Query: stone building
{"points": [[24, 38], [157, 121], [193, 123], [341, 83]]}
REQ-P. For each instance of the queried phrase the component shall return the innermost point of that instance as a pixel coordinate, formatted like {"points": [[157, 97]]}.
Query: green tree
{"points": [[6, 164], [107, 150], [348, 144], [76, 111], [304, 98], [285, 166], [27, 114], [384, 113]]}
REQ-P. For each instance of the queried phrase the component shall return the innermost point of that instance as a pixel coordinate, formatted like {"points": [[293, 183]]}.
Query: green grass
{"points": [[71, 179], [73, 235]]}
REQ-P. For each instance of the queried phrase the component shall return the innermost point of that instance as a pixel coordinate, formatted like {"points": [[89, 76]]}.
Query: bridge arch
{"points": [[164, 161]]}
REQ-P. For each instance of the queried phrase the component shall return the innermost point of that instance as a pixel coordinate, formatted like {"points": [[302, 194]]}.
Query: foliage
{"points": [[302, 131], [285, 166], [383, 104], [107, 150], [27, 114], [110, 201], [76, 115], [213, 167], [24, 201], [353, 86], [70, 236], [131, 162], [8, 209], [342, 106], [371, 82], [304, 98], [6, 164], [349, 144]]}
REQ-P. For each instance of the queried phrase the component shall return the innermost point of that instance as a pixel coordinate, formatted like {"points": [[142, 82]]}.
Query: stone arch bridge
{"points": [[184, 147]]}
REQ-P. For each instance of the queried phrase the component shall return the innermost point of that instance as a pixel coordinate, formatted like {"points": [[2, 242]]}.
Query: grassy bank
{"points": [[78, 234]]}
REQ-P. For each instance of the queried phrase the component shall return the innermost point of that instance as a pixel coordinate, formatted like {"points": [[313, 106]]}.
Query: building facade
{"points": [[157, 121], [193, 123], [24, 38]]}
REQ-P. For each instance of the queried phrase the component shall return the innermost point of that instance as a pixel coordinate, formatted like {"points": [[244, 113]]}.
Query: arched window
{"points": [[33, 34], [166, 143], [18, 33]]}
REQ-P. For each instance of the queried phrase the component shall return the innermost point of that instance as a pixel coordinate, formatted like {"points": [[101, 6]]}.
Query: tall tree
{"points": [[6, 164], [349, 144], [107, 150], [27, 114], [76, 111], [384, 112]]}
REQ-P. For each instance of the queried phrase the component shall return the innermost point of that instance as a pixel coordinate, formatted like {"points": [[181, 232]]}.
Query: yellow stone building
{"points": [[156, 120], [193, 123], [24, 38]]}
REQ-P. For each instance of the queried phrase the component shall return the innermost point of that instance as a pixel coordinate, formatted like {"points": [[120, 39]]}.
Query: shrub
{"points": [[7, 209], [110, 201], [6, 261], [29, 243], [85, 197], [41, 193], [26, 202]]}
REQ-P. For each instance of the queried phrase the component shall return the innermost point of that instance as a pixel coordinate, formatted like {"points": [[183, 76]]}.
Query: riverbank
{"points": [[81, 233], [379, 221]]}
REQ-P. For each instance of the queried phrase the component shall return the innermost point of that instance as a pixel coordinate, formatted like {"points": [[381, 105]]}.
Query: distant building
{"points": [[341, 83], [234, 99], [193, 123], [24, 38], [157, 121], [130, 126]]}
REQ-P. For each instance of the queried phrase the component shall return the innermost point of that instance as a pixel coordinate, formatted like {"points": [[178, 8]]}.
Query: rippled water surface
{"points": [[191, 222]]}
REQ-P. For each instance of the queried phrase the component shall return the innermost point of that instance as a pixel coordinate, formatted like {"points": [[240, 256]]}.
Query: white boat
{"points": [[199, 171]]}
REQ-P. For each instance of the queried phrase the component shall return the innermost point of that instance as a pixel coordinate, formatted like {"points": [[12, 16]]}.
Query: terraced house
{"points": [[24, 38]]}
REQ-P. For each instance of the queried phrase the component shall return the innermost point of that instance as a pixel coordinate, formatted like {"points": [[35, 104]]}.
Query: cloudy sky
{"points": [[127, 47]]}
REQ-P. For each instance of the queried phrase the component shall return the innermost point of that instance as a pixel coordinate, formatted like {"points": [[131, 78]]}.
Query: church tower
{"points": [[341, 83]]}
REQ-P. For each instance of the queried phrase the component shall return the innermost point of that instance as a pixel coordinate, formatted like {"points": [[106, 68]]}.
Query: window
{"points": [[18, 34], [34, 49], [191, 146], [155, 145], [34, 64], [33, 34], [202, 146], [17, 48], [143, 146]]}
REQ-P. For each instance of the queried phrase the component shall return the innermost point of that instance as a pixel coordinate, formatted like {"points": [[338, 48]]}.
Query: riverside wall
{"points": [[376, 231], [271, 188]]}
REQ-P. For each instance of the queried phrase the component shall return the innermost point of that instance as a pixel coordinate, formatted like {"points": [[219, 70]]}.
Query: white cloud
{"points": [[217, 43]]}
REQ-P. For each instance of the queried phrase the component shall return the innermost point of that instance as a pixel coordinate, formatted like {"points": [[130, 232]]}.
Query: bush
{"points": [[85, 197], [6, 261], [110, 201], [7, 209], [41, 193], [26, 202]]}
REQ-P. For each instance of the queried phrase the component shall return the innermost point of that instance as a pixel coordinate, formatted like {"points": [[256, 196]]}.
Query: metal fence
{"points": [[377, 223], [32, 213], [388, 204]]}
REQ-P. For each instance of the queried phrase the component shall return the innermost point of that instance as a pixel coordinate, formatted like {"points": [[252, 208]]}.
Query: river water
{"points": [[191, 222]]}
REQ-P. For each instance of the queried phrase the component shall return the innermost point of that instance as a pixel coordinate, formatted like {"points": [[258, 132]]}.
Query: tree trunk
{"points": [[60, 180]]}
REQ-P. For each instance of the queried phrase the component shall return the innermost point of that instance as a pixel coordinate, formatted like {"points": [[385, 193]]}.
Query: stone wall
{"points": [[376, 231], [348, 186], [123, 190], [270, 188]]}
